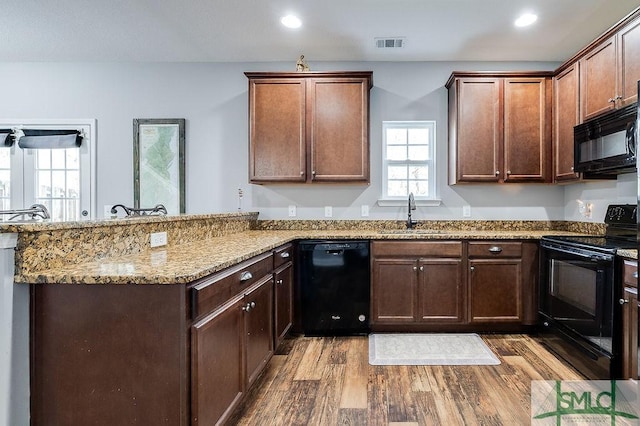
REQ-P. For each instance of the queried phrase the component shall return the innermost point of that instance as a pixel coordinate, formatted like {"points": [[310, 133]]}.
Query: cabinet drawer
{"points": [[417, 248], [630, 273], [282, 255], [215, 290], [495, 249]]}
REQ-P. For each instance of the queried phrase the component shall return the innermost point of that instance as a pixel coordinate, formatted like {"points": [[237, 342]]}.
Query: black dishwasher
{"points": [[334, 287]]}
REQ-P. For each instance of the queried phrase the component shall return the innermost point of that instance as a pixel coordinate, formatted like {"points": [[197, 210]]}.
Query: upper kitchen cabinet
{"points": [[610, 70], [499, 127], [309, 127], [566, 115]]}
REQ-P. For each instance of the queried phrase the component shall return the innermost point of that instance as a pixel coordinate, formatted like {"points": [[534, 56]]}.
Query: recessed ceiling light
{"points": [[291, 21], [525, 20]]}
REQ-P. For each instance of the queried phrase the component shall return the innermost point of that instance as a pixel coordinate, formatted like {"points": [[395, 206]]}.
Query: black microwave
{"points": [[606, 145]]}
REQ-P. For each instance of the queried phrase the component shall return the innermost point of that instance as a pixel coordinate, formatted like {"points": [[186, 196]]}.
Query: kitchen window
{"points": [[408, 162], [61, 177]]}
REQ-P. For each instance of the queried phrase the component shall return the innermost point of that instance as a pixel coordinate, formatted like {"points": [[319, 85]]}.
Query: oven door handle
{"points": [[594, 257]]}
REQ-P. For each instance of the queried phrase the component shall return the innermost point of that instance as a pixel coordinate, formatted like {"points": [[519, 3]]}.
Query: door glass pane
{"points": [[43, 158], [73, 158], [43, 183], [57, 159], [5, 158]]}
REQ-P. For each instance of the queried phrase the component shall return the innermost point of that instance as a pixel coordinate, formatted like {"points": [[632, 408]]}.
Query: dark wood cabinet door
{"points": [[566, 115], [440, 291], [598, 80], [217, 379], [526, 130], [338, 128], [277, 138], [479, 136], [258, 314], [393, 297], [630, 324], [629, 63], [495, 290], [283, 301]]}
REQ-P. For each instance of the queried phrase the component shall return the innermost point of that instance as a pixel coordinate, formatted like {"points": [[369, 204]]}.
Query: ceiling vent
{"points": [[390, 42]]}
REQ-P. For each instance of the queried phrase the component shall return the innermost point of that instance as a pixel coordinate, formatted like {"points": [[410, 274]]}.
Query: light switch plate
{"points": [[292, 211], [466, 211], [328, 211], [158, 239], [364, 210]]}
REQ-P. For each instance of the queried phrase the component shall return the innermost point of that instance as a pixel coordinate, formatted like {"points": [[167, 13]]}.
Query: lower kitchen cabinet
{"points": [[216, 363], [170, 354], [283, 302], [502, 281], [630, 322], [416, 282], [453, 285]]}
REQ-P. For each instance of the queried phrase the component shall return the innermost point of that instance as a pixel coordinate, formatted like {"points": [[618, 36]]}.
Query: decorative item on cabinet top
{"points": [[309, 127]]}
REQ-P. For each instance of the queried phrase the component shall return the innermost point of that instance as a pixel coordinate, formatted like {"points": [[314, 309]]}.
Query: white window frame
{"points": [[22, 164], [390, 201]]}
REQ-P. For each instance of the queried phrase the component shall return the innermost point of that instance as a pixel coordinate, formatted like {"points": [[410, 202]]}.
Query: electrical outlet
{"points": [[328, 211], [292, 211], [364, 210], [466, 211], [158, 239]]}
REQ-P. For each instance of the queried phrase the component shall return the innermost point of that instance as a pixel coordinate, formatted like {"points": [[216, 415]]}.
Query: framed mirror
{"points": [[158, 163]]}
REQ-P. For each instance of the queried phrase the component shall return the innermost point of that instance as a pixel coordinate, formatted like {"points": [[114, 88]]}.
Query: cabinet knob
{"points": [[301, 173], [623, 301], [313, 172], [252, 305], [422, 268], [571, 168], [415, 268], [246, 276], [497, 172], [285, 255], [279, 282], [472, 268], [508, 172], [619, 97], [611, 100], [495, 249], [635, 275], [247, 307]]}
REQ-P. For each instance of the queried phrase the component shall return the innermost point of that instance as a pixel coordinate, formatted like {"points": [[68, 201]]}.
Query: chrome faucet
{"points": [[412, 206]]}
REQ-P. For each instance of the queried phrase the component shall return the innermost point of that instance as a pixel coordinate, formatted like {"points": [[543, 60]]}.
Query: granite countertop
{"points": [[187, 262]]}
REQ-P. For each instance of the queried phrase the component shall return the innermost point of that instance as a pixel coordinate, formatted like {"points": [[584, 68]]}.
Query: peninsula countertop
{"points": [[187, 262]]}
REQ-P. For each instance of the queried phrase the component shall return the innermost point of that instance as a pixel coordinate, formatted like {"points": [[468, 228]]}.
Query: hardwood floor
{"points": [[328, 381]]}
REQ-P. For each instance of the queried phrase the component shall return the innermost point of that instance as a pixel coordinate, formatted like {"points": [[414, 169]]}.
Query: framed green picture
{"points": [[158, 164]]}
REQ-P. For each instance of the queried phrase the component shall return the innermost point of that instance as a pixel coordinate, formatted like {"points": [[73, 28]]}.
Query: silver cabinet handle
{"points": [[246, 307], [635, 275], [495, 249], [508, 172], [497, 172], [279, 282], [285, 255], [301, 173], [422, 268], [245, 276], [623, 301], [252, 305], [415, 268], [473, 268]]}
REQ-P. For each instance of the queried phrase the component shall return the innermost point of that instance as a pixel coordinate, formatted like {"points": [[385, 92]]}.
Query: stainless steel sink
{"points": [[413, 231]]}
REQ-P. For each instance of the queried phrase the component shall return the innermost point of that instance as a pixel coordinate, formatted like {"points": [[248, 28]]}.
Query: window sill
{"points": [[403, 202]]}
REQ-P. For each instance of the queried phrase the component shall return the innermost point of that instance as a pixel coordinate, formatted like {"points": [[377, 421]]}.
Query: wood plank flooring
{"points": [[328, 381]]}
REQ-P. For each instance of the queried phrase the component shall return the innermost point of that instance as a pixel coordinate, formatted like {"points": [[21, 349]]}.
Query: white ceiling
{"points": [[333, 30]]}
